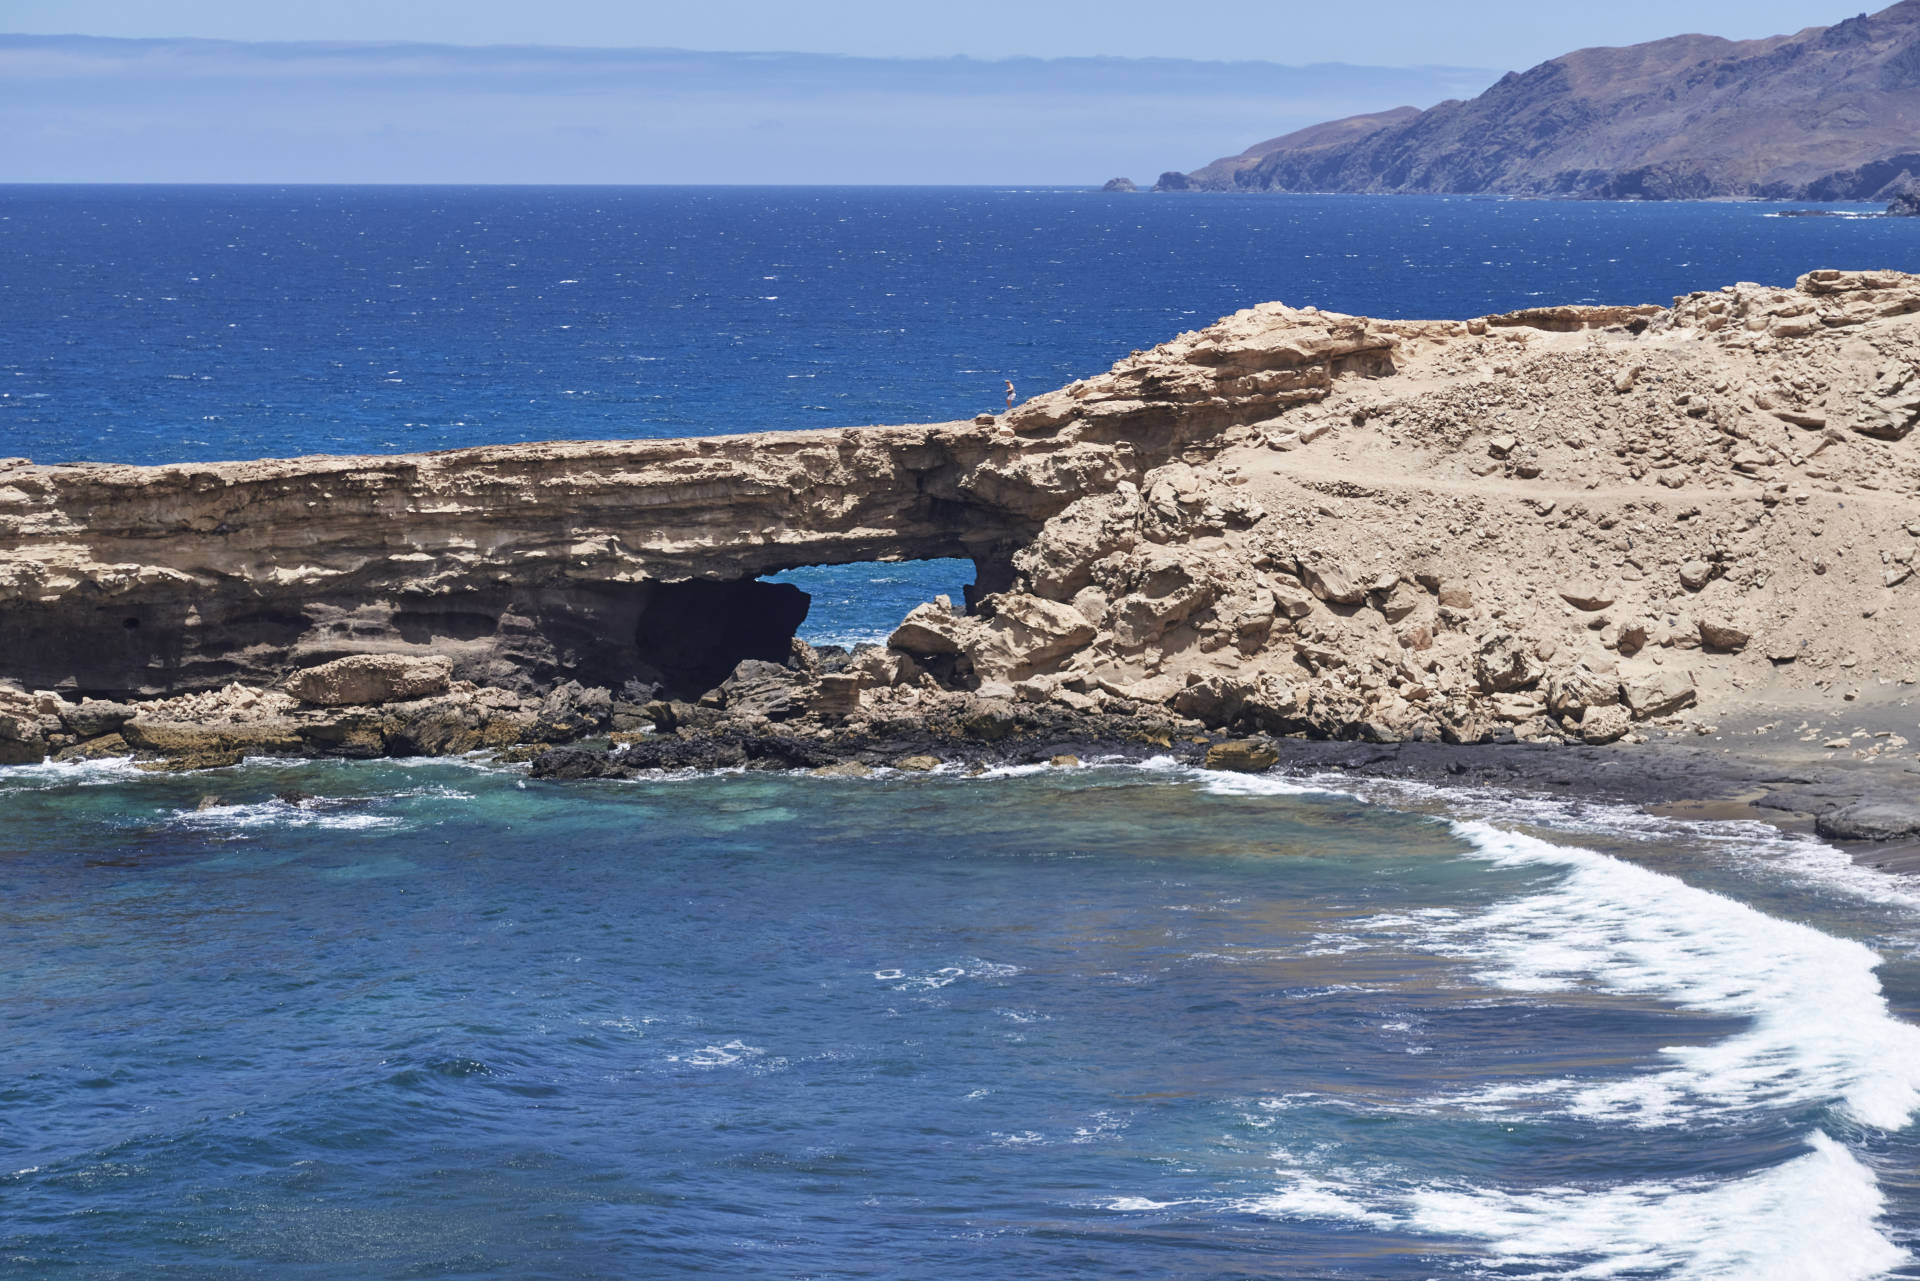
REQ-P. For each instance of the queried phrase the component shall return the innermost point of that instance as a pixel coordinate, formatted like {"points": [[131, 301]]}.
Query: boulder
{"points": [[1401, 602], [95, 717], [371, 678], [1243, 756], [842, 769], [760, 688], [23, 735], [918, 764], [1152, 689], [94, 749], [357, 733], [22, 751], [1516, 707], [1892, 408], [1573, 692], [1166, 590], [1331, 581], [1588, 596], [1870, 821], [1292, 602], [1214, 700], [881, 669], [572, 710], [988, 720], [1605, 724], [931, 629], [1718, 633], [193, 761], [1631, 637], [1658, 693], [1027, 632], [1695, 574], [836, 697], [1504, 663], [574, 764], [1273, 703]]}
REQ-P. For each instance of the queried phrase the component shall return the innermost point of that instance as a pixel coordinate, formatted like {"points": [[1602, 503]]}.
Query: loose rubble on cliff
{"points": [[1565, 524]]}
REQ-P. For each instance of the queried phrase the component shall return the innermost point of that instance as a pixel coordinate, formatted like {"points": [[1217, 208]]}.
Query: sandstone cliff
{"points": [[1829, 113], [534, 563], [1561, 522]]}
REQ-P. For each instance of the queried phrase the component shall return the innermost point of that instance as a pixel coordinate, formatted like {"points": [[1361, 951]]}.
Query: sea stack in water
{"points": [[1567, 523]]}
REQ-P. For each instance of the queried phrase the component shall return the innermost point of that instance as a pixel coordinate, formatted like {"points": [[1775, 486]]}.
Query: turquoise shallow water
{"points": [[440, 1020]]}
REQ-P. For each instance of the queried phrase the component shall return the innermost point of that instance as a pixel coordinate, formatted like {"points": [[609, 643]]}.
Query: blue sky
{"points": [[1068, 92], [114, 110], [1507, 34]]}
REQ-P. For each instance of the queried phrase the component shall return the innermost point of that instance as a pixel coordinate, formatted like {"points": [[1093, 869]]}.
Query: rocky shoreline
{"points": [[1536, 535], [807, 716]]}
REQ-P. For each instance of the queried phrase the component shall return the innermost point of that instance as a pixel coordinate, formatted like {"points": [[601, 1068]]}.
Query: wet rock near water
{"points": [[1870, 821]]}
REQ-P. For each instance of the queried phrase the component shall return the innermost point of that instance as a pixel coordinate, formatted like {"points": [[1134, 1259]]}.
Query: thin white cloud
{"points": [[94, 110]]}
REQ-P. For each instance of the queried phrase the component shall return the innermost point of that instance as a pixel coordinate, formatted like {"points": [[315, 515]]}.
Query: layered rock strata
{"points": [[528, 564], [1564, 523]]}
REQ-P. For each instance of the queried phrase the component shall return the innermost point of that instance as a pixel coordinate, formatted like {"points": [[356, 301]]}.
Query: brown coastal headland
{"points": [[1825, 113], [1594, 534]]}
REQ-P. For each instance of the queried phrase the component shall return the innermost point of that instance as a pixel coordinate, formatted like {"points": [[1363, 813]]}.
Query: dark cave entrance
{"points": [[695, 633], [689, 636]]}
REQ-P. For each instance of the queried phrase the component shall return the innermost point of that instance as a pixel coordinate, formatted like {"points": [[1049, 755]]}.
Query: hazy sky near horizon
{"points": [[1511, 34]]}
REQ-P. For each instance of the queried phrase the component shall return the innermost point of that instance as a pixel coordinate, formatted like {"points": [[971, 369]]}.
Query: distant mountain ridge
{"points": [[1828, 113]]}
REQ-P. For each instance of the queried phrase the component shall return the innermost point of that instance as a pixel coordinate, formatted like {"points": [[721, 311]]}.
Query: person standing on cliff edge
{"points": [[1009, 393]]}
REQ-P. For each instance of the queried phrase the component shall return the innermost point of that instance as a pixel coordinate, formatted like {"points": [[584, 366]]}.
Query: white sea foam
{"points": [[711, 1056], [1751, 842], [946, 975], [1818, 1031], [1307, 1197], [1137, 1204], [1012, 771], [49, 774], [1223, 783], [279, 814], [1813, 1218], [1820, 1028]]}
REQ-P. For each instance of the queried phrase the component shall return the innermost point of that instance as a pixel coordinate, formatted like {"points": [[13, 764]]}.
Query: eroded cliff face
{"points": [[530, 564], [1565, 522], [1559, 522]]}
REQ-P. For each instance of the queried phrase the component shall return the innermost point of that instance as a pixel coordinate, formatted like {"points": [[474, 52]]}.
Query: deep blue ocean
{"points": [[440, 1020]]}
